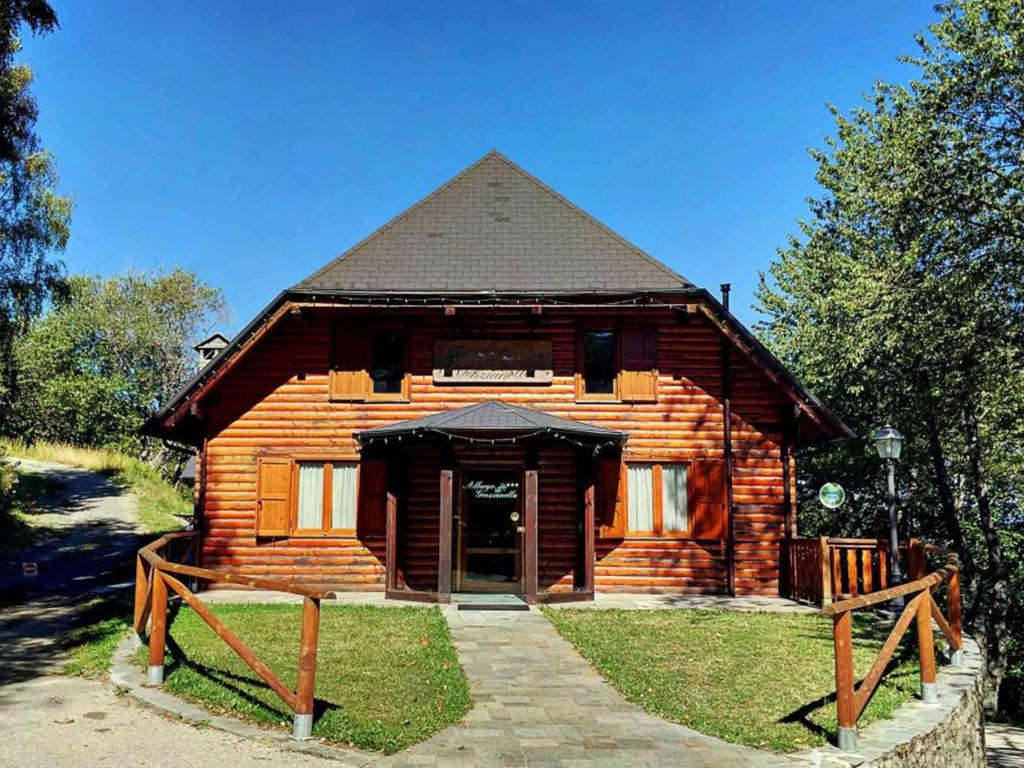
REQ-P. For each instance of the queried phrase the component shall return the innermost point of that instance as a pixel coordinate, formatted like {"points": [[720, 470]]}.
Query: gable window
{"points": [[387, 371], [656, 498], [599, 365], [325, 497], [368, 363], [618, 364]]}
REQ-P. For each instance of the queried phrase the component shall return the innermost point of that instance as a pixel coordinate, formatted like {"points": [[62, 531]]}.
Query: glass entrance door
{"points": [[491, 531]]}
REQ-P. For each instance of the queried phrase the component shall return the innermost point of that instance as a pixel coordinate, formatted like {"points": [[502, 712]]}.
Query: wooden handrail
{"points": [[153, 578], [920, 609]]}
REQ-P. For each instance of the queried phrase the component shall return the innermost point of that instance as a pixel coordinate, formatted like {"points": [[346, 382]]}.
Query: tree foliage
{"points": [[107, 354], [34, 219], [901, 301]]}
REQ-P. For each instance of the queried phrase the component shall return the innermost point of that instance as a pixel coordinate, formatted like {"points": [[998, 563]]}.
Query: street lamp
{"points": [[889, 443]]}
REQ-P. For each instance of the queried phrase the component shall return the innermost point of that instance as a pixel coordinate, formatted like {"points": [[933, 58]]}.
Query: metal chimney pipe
{"points": [[726, 287]]}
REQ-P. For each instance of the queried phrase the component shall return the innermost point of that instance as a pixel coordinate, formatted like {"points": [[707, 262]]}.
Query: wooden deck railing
{"points": [[920, 608], [826, 569], [156, 573]]}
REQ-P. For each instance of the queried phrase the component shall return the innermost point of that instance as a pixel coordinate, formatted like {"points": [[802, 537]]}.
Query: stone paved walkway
{"points": [[1005, 745], [539, 704]]}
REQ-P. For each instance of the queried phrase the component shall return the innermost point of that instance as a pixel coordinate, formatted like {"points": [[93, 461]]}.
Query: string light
{"points": [[597, 446]]}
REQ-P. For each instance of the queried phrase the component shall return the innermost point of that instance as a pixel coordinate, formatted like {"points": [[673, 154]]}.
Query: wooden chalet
{"points": [[494, 392]]}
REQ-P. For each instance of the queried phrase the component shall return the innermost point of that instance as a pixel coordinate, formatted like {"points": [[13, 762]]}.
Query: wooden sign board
{"points": [[485, 361]]}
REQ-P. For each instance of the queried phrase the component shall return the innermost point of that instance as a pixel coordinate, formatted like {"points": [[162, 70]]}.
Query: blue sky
{"points": [[254, 141]]}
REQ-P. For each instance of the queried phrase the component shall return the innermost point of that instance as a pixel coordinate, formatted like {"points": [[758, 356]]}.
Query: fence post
{"points": [[842, 634], [141, 599], [157, 629], [302, 725], [956, 658], [826, 572], [915, 560], [926, 650]]}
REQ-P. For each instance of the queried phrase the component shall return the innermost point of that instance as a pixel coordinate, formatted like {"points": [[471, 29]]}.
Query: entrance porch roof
{"points": [[495, 421]]}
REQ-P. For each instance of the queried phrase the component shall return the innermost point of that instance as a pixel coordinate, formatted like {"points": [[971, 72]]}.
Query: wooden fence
{"points": [[826, 569], [156, 574], [920, 608]]}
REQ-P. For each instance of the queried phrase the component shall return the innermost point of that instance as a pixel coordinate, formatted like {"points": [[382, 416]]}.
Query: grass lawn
{"points": [[760, 679], [386, 677], [102, 622], [161, 505]]}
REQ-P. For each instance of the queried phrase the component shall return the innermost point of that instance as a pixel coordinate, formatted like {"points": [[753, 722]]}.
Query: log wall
{"points": [[275, 402]]}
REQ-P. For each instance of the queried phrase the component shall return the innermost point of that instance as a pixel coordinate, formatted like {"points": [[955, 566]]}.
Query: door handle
{"points": [[520, 529]]}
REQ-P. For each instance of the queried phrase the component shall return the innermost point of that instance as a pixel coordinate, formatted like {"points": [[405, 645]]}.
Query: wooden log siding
{"points": [[275, 403]]}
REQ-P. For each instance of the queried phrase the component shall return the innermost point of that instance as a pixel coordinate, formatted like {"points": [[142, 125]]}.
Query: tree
{"points": [[34, 219], [901, 300], [107, 354]]}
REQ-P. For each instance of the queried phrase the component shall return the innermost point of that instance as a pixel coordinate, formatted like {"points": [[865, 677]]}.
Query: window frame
{"points": [[368, 329], [617, 328], [326, 516], [657, 498]]}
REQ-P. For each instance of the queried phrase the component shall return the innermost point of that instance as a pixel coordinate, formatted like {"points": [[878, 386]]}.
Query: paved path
{"points": [[1004, 745], [91, 537], [539, 704]]}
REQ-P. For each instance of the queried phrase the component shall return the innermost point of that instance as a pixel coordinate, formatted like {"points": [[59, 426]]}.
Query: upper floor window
{"points": [[618, 364], [387, 371], [599, 368], [368, 363]]}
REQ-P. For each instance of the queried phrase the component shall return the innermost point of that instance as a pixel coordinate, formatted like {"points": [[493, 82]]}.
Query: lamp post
{"points": [[889, 443]]}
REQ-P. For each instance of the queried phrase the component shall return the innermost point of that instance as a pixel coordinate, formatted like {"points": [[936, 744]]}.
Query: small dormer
{"points": [[209, 348]]}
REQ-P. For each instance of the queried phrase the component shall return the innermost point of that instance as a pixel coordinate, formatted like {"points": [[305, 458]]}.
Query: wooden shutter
{"points": [[638, 362], [273, 497], [351, 354], [372, 520], [705, 490], [611, 499]]}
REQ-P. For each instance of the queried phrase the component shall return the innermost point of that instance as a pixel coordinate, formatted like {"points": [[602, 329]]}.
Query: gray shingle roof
{"points": [[493, 228], [492, 416]]}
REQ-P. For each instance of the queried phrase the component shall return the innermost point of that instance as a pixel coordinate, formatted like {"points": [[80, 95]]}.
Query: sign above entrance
{"points": [[484, 490], [493, 361]]}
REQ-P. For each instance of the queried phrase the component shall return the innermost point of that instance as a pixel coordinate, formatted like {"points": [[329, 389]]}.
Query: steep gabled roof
{"points": [[493, 228]]}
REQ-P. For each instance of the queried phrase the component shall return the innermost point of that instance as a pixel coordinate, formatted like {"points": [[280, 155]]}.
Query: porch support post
{"points": [[391, 538], [444, 543], [588, 536], [530, 536]]}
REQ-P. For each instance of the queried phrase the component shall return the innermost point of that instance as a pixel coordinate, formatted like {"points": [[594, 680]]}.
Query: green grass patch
{"points": [[160, 504], [102, 623], [765, 680], [386, 677], [22, 499]]}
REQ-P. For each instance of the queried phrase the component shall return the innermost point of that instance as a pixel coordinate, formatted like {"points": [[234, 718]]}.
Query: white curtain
{"points": [[311, 496], [343, 496], [673, 497], [640, 490]]}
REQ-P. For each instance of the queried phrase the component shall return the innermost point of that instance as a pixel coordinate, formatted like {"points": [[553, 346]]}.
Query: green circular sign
{"points": [[832, 495]]}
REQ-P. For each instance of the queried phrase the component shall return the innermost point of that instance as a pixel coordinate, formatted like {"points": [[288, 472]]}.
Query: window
{"points": [[599, 365], [368, 363], [325, 497], [618, 364], [387, 372], [656, 498], [640, 495]]}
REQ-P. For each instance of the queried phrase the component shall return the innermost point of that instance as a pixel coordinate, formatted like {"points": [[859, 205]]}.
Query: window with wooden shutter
{"points": [[373, 498], [707, 500], [610, 510], [638, 363], [351, 358], [273, 497], [656, 494]]}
